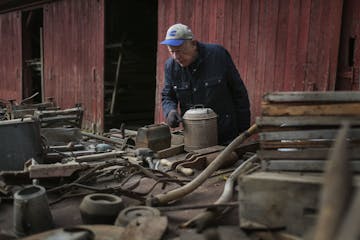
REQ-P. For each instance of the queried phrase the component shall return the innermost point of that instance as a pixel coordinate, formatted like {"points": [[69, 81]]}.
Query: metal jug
{"points": [[200, 128]]}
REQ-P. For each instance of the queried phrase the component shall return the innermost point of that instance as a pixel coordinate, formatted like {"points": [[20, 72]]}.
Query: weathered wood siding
{"points": [[74, 56], [10, 56], [289, 45]]}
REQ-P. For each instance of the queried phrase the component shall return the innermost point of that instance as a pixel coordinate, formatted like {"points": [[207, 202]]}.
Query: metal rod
{"points": [[105, 139]]}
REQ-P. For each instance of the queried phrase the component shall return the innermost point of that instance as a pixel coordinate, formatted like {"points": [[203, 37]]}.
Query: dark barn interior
{"points": [[130, 63], [32, 24]]}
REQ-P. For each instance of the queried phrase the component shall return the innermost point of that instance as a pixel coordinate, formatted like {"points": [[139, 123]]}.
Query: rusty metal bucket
{"points": [[200, 128], [31, 211]]}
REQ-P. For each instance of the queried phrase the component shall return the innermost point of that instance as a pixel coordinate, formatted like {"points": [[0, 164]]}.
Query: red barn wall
{"points": [[276, 45], [11, 56], [74, 56]]}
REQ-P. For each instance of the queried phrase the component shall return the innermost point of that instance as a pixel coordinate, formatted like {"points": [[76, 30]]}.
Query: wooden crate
{"points": [[282, 201], [297, 129]]}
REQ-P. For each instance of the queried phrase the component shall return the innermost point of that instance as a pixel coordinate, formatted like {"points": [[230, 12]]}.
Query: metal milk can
{"points": [[200, 128]]}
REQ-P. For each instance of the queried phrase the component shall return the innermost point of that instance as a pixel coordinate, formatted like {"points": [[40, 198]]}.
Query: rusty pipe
{"points": [[178, 193], [203, 218]]}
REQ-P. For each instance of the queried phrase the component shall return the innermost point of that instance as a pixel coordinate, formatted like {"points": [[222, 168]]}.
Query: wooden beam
{"points": [[295, 121], [320, 134], [303, 154], [283, 109], [169, 152], [294, 144], [330, 96], [55, 170], [315, 165]]}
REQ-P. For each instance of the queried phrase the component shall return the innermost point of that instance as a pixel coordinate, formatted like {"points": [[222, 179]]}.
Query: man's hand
{"points": [[173, 119]]}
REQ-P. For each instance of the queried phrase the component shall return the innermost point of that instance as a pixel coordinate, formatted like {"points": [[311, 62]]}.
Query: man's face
{"points": [[184, 54]]}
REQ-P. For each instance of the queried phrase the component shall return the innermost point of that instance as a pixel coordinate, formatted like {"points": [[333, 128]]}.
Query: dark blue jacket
{"points": [[213, 81]]}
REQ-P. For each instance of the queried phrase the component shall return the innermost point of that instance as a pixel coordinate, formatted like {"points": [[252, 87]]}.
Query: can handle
{"points": [[198, 106]]}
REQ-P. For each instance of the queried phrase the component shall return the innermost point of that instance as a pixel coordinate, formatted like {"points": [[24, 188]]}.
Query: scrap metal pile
{"points": [[299, 181], [48, 159]]}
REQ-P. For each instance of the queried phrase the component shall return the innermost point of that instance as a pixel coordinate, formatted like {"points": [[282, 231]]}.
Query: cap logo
{"points": [[172, 33]]}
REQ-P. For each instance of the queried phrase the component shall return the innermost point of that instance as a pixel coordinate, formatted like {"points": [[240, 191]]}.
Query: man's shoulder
{"points": [[212, 46], [212, 49]]}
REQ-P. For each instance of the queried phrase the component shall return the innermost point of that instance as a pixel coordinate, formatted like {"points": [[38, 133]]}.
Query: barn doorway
{"points": [[130, 63], [32, 49], [348, 73]]}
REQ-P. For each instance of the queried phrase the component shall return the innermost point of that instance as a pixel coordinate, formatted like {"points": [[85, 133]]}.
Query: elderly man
{"points": [[199, 73]]}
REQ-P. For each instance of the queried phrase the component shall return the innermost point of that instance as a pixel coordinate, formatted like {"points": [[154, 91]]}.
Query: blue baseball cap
{"points": [[177, 34]]}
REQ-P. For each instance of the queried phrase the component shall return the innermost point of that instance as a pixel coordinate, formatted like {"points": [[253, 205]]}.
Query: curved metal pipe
{"points": [[205, 217], [229, 184], [178, 193]]}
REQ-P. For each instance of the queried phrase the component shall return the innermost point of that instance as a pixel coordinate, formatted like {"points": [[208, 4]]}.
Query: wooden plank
{"points": [[197, 22], [292, 121], [278, 200], [306, 134], [304, 154], [11, 56], [313, 46], [302, 165], [291, 58], [330, 96], [272, 8], [320, 68], [251, 51], [69, 111], [244, 38], [281, 109], [310, 153], [169, 152], [236, 27], [55, 170], [260, 52], [220, 27], [301, 144], [302, 45], [295, 144], [281, 41]]}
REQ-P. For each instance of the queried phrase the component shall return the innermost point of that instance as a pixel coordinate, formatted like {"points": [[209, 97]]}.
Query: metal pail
{"points": [[200, 128], [31, 211]]}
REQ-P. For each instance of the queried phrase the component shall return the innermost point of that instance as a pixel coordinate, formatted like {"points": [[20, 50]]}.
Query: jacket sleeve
{"points": [[168, 95], [239, 95]]}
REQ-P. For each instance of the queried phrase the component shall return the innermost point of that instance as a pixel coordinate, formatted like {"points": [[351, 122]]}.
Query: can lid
{"points": [[199, 114]]}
